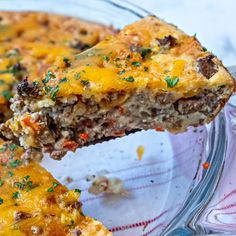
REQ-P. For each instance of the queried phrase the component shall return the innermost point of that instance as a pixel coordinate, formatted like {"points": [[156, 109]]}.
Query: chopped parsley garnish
{"points": [[63, 80], [166, 71], [171, 81], [136, 63], [204, 49], [24, 184], [121, 72], [117, 59], [2, 82], [84, 82], [1, 201], [145, 52], [19, 185], [15, 163], [77, 75], [48, 77], [15, 69], [195, 35], [129, 79], [3, 149], [35, 83], [118, 65], [10, 173], [29, 185], [128, 58], [55, 184], [77, 190], [67, 62], [51, 189], [26, 177], [12, 147], [15, 195], [1, 182], [106, 58], [52, 91], [145, 68], [6, 94]]}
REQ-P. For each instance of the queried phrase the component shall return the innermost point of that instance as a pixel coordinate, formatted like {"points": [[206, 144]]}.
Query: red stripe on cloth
{"points": [[138, 224], [153, 229]]}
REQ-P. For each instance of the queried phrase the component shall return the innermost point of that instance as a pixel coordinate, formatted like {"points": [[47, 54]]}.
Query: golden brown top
{"points": [[147, 54], [32, 202], [31, 42]]}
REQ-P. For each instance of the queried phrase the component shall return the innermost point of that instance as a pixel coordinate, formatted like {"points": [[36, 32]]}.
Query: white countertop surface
{"points": [[214, 21]]}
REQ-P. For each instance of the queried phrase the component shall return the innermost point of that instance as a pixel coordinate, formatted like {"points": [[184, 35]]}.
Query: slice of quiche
{"points": [[32, 202], [150, 76], [32, 41]]}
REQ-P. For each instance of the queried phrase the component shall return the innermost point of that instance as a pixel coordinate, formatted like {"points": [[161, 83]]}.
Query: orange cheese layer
{"points": [[36, 40], [134, 59], [31, 200]]}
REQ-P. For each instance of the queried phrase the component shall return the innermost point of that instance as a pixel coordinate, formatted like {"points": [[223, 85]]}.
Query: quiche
{"points": [[31, 43], [151, 75], [32, 202]]}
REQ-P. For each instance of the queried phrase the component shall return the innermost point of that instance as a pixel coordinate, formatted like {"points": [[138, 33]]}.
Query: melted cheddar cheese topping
{"points": [[147, 54], [32, 202]]}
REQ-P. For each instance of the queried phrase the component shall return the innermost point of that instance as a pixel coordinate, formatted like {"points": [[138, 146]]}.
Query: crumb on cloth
{"points": [[103, 184]]}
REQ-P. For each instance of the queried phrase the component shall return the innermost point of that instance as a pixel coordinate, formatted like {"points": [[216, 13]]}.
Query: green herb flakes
{"points": [[63, 80], [84, 82], [2, 82], [51, 189], [3, 149], [1, 201], [121, 72], [129, 79], [48, 77], [77, 190], [52, 91], [10, 173], [12, 147], [106, 58], [6, 94], [171, 81], [136, 63], [67, 62], [19, 185], [15, 195], [26, 177], [15, 163], [1, 182], [55, 184], [145, 52], [77, 75]]}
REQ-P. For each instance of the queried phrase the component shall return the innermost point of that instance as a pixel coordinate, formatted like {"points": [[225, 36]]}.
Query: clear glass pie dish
{"points": [[169, 190]]}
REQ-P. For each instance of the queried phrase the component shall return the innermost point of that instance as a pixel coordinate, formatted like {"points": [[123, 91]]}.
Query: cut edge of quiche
{"points": [[32, 202], [149, 76]]}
